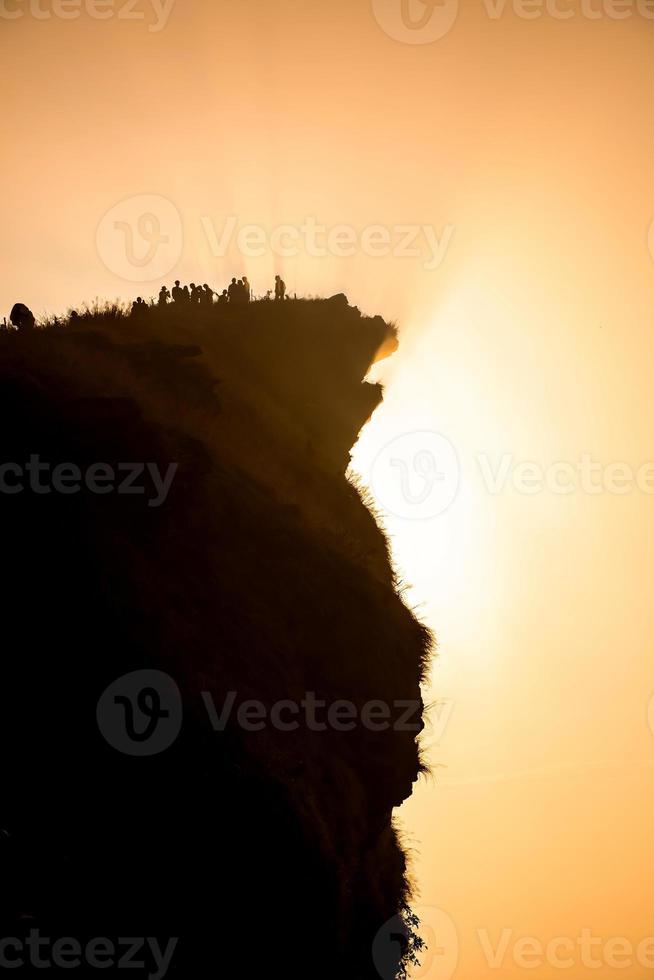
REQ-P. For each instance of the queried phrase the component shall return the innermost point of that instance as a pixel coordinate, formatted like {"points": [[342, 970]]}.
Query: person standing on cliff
{"points": [[280, 288], [22, 317], [139, 307]]}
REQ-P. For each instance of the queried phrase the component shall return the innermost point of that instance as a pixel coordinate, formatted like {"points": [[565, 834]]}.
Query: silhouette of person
{"points": [[164, 296], [232, 291], [280, 288], [247, 290], [22, 317], [186, 294], [139, 307], [207, 295], [224, 297], [178, 293]]}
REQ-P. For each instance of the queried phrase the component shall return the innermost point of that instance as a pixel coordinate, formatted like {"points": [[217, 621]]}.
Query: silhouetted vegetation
{"points": [[415, 944]]}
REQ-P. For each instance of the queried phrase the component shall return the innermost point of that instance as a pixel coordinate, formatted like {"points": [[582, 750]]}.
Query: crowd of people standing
{"points": [[237, 293]]}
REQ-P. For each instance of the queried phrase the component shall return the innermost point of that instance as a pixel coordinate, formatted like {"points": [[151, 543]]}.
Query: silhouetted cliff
{"points": [[251, 566]]}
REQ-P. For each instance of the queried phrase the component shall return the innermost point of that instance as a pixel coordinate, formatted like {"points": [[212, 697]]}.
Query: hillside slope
{"points": [[265, 850]]}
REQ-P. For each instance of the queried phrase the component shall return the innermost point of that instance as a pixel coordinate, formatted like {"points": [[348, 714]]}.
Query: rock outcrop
{"points": [[262, 838]]}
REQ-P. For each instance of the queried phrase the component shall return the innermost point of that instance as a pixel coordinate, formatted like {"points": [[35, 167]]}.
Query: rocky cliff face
{"points": [[237, 793]]}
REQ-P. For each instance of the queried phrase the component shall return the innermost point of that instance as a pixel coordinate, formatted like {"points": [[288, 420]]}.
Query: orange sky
{"points": [[516, 154]]}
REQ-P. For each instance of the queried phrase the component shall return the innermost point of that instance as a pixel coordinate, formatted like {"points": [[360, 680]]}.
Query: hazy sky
{"points": [[511, 157]]}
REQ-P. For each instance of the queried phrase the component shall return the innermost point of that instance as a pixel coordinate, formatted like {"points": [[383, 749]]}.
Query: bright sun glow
{"points": [[419, 457]]}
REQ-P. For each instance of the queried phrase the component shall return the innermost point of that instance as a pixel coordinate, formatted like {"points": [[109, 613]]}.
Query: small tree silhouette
{"points": [[415, 944]]}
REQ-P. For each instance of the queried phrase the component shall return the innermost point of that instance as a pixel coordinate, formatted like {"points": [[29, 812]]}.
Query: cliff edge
{"points": [[174, 503]]}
